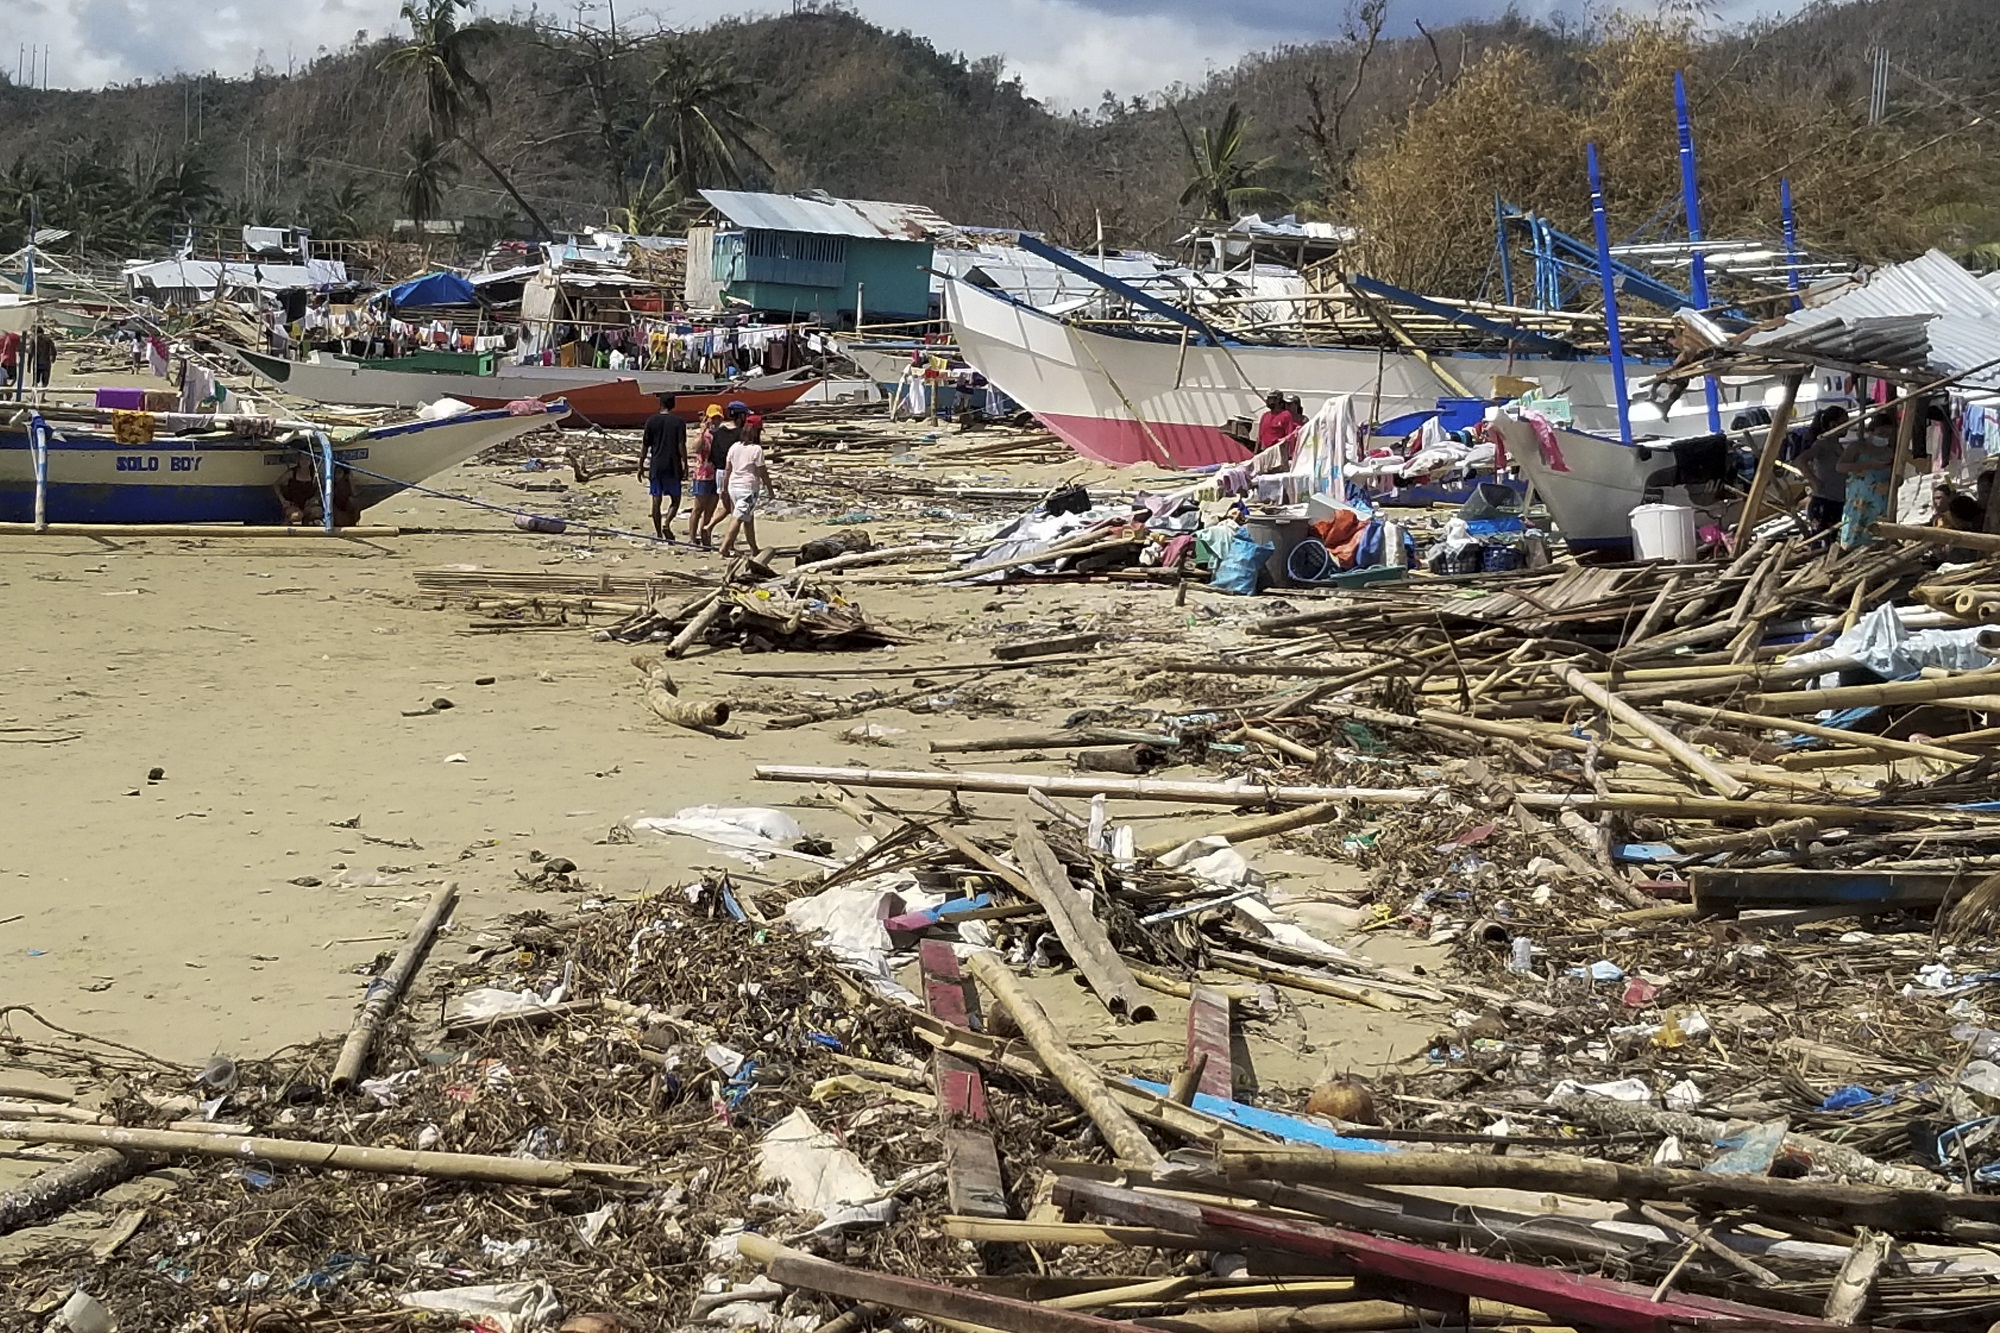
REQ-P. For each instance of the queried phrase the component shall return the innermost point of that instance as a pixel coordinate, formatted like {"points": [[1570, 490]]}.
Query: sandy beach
{"points": [[237, 904]]}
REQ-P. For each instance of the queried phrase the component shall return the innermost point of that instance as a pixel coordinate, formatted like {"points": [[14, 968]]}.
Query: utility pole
{"points": [[1878, 84]]}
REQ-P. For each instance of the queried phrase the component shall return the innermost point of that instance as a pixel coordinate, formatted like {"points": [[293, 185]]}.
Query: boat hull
{"points": [[95, 479], [1590, 498], [341, 381], [1125, 399], [625, 405]]}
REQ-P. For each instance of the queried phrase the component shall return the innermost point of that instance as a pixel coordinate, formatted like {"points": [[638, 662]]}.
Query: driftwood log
{"points": [[63, 1187]]}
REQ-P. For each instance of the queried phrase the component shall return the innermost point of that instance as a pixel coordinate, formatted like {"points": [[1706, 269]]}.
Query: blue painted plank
{"points": [[1287, 1127]]}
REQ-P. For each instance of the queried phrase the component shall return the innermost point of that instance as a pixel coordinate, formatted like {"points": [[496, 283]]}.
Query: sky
{"points": [[1065, 52]]}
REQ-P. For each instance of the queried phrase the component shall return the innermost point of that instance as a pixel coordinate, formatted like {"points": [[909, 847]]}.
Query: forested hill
{"points": [[591, 127]]}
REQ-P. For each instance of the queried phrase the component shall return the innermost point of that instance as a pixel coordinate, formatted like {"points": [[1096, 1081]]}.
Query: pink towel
{"points": [[1545, 435]]}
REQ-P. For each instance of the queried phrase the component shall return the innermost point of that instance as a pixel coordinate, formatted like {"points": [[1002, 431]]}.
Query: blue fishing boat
{"points": [[139, 467]]}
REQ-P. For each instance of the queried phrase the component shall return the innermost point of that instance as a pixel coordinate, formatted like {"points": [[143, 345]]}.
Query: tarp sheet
{"points": [[433, 289]]}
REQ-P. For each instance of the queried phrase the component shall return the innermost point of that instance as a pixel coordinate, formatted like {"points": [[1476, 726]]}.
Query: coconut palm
{"points": [[439, 57], [698, 118], [1223, 183], [651, 210], [428, 175]]}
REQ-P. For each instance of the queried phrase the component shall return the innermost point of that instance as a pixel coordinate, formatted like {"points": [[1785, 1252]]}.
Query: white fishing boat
{"points": [[1130, 395], [348, 381], [1591, 482], [225, 471]]}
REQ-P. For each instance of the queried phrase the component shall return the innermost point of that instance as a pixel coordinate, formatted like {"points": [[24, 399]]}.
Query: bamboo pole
{"points": [[691, 632], [1300, 979], [1875, 1205], [1767, 458], [1077, 1075], [384, 991], [1624, 754], [306, 1153], [1248, 830], [1243, 793], [1690, 758], [1975, 541], [1700, 713], [1893, 694]]}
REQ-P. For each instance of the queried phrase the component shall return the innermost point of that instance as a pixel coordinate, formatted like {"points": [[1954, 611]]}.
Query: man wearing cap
{"points": [[663, 462]]}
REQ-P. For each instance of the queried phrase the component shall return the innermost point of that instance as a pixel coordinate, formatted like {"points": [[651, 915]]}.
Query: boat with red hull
{"points": [[625, 405]]}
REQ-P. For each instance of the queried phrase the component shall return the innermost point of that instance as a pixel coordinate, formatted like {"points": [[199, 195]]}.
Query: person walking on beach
{"points": [[721, 440], [43, 344], [663, 463], [702, 508], [745, 476]]}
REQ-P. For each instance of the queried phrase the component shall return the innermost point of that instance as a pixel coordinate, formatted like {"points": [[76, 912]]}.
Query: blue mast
{"points": [[1608, 278], [1791, 239], [1691, 201]]}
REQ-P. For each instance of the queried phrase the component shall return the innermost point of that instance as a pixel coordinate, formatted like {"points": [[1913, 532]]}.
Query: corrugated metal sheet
{"points": [[823, 215], [1928, 313]]}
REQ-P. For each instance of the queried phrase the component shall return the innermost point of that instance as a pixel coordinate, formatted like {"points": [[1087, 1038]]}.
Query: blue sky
{"points": [[1066, 52]]}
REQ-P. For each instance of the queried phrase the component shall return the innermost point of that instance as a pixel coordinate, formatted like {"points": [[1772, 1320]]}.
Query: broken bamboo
{"points": [[1689, 757], [384, 991], [1077, 1075]]}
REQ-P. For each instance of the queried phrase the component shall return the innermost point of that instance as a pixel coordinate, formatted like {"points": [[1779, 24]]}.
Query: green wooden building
{"points": [[814, 257]]}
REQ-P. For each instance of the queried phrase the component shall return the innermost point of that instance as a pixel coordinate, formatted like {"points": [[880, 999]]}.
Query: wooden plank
{"points": [[972, 1162], [1726, 890], [1082, 934], [1208, 1041], [930, 1299], [1588, 1301]]}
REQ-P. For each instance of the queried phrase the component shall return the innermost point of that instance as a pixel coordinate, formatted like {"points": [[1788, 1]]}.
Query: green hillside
{"points": [[581, 123]]}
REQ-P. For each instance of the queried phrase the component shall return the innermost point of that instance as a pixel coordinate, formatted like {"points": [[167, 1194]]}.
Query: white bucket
{"points": [[1663, 532]]}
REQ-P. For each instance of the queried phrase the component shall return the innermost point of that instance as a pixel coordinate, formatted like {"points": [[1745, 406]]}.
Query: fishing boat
{"points": [[885, 360], [355, 382], [1138, 394], [627, 405], [1592, 482], [226, 472]]}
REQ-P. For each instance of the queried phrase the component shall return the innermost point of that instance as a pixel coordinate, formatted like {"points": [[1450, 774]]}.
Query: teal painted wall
{"points": [[891, 273]]}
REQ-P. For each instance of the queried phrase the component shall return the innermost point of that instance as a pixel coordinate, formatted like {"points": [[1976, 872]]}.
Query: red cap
{"points": [[753, 420]]}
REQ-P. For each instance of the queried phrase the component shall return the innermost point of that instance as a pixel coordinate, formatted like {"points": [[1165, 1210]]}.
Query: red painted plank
{"points": [[1208, 1034], [1597, 1302], [972, 1163]]}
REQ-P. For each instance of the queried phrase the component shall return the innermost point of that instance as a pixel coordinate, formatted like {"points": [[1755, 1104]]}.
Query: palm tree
{"points": [[697, 113], [185, 189], [1222, 182], [21, 185], [650, 210], [428, 175], [439, 54]]}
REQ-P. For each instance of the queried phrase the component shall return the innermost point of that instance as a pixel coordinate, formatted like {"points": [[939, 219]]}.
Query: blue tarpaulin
{"points": [[433, 289]]}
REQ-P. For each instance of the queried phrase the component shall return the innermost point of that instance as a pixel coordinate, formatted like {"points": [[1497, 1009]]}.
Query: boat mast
{"points": [[1697, 265], [1607, 278]]}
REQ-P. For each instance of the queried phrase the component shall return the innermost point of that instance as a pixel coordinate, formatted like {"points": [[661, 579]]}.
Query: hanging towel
{"points": [[132, 427]]}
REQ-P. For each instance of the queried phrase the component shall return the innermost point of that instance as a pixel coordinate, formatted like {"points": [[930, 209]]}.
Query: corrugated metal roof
{"points": [[823, 215], [1928, 313]]}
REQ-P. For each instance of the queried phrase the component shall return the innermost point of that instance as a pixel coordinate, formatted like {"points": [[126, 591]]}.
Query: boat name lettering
{"points": [[138, 463]]}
